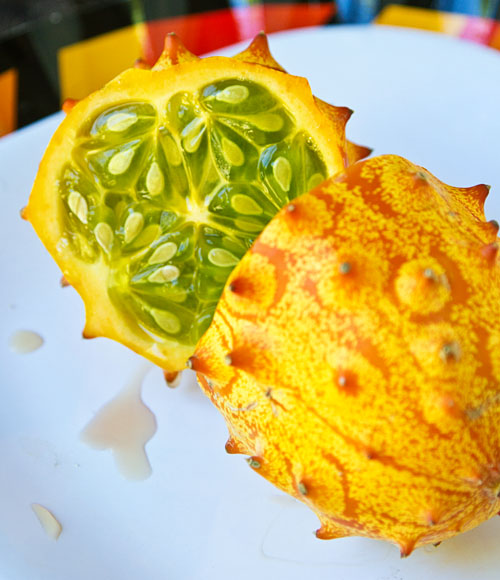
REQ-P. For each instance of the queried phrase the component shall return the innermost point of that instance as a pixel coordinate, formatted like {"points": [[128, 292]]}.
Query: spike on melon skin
{"points": [[331, 531], [234, 446], [174, 52], [68, 105], [494, 225], [340, 297], [406, 548], [356, 152], [258, 52]]}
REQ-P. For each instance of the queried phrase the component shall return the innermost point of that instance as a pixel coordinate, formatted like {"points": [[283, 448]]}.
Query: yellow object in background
{"points": [[8, 108], [421, 18], [86, 66], [480, 30]]}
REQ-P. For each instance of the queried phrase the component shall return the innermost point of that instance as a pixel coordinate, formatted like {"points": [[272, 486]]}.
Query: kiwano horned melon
{"points": [[355, 355], [154, 187]]}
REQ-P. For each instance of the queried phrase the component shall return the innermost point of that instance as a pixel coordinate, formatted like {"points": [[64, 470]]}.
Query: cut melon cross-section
{"points": [[154, 187]]}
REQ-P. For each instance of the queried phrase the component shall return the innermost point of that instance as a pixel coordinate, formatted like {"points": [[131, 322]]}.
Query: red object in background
{"points": [[210, 31], [479, 30]]}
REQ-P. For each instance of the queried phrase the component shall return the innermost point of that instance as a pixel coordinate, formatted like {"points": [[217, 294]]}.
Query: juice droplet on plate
{"points": [[124, 425]]}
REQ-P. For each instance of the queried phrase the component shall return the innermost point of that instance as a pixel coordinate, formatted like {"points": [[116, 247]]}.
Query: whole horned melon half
{"points": [[355, 355], [155, 186]]}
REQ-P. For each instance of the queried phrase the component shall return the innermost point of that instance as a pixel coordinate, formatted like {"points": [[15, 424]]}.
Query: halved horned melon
{"points": [[154, 187], [355, 355]]}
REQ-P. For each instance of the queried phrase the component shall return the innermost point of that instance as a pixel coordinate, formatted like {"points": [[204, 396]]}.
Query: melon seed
{"points": [[155, 181], [172, 151], [120, 122], [78, 206], [165, 274], [147, 236], [233, 154], [163, 253], [192, 134], [133, 226], [120, 162], [104, 236], [233, 94], [166, 320], [269, 122], [245, 205], [222, 258], [282, 172]]}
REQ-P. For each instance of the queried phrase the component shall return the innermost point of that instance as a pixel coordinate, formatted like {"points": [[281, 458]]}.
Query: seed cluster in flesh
{"points": [[171, 194]]}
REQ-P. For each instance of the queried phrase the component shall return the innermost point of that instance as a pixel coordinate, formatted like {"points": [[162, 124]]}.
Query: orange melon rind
{"points": [[354, 359]]}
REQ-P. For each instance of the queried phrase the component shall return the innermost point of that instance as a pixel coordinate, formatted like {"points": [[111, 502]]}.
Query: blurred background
{"points": [[51, 50]]}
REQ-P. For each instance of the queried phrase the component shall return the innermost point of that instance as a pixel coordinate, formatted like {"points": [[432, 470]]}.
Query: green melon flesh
{"points": [[171, 199]]}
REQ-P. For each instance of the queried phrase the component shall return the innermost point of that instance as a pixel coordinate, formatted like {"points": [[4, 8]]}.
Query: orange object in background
{"points": [[8, 103]]}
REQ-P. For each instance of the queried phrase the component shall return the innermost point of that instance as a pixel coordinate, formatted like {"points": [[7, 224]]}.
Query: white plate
{"points": [[204, 515]]}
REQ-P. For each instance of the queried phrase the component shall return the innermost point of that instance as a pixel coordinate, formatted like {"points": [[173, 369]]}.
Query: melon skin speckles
{"points": [[154, 187], [355, 357]]}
